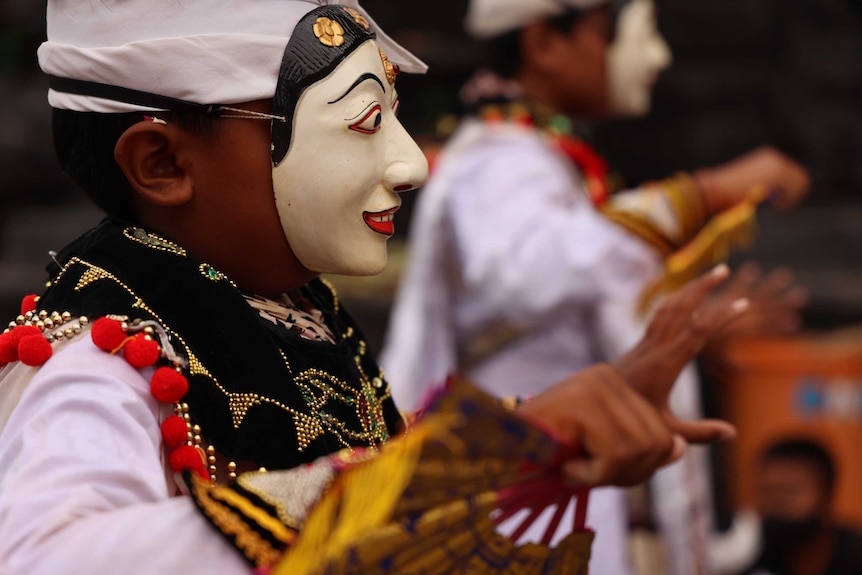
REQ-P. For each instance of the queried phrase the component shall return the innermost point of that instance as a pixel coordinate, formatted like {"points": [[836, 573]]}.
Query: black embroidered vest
{"points": [[258, 390]]}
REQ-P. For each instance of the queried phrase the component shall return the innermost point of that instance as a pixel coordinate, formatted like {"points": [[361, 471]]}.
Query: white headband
{"points": [[202, 51], [489, 18]]}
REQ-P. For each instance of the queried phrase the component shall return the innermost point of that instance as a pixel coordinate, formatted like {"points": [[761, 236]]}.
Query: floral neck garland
{"points": [[558, 130]]}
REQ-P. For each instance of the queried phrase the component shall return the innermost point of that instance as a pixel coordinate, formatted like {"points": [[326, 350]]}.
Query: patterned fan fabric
{"points": [[428, 502]]}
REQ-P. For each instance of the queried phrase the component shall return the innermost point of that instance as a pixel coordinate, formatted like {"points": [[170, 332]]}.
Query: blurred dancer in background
{"points": [[522, 265]]}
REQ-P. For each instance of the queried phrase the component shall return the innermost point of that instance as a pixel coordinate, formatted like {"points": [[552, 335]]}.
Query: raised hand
{"points": [[775, 305], [677, 333], [784, 180], [775, 302], [618, 414]]}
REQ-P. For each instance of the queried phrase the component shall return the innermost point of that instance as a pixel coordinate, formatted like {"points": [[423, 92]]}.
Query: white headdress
{"points": [[202, 51], [489, 18]]}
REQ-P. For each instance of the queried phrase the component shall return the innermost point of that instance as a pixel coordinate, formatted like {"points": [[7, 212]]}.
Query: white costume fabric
{"points": [[83, 486], [504, 240], [504, 231]]}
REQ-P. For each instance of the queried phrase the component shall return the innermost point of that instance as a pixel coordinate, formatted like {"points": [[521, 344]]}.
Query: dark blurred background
{"points": [[746, 73]]}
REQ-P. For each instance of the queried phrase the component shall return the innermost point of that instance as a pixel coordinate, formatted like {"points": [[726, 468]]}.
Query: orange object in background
{"points": [[808, 385]]}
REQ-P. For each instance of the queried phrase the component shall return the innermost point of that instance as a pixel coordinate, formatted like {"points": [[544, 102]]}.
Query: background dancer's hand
{"points": [[776, 303], [784, 180]]}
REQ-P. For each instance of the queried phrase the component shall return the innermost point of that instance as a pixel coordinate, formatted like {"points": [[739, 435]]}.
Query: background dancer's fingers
{"points": [[776, 304]]}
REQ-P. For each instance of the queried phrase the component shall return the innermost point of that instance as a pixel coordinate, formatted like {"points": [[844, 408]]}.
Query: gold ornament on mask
{"points": [[329, 32], [390, 68], [359, 18]]}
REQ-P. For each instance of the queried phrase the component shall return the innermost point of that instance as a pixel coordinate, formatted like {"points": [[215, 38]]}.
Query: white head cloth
{"points": [[202, 51], [489, 18]]}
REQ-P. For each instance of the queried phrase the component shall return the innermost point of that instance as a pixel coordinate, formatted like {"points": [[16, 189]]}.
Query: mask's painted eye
{"points": [[370, 122]]}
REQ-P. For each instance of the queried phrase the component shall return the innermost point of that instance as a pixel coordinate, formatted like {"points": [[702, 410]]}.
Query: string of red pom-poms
{"points": [[28, 344], [167, 385]]}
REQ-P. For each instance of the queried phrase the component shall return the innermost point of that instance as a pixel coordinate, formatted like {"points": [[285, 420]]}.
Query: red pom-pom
{"points": [[188, 458], [168, 385], [29, 302], [9, 342], [8, 349], [141, 352], [107, 334], [34, 350], [174, 431], [22, 331]]}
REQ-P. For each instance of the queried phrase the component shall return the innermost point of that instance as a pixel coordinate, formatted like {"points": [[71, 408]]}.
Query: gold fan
{"points": [[428, 502]]}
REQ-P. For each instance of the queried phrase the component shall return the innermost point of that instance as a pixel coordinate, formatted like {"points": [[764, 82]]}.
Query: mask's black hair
{"points": [[306, 61], [806, 450]]}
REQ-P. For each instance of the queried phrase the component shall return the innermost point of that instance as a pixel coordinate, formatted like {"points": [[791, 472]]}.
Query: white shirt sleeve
{"points": [[529, 238], [82, 484]]}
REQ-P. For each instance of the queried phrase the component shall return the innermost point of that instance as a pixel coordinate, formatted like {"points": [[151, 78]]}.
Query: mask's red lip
{"points": [[381, 222]]}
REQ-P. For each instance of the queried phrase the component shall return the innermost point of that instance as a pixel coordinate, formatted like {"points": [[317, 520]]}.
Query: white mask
{"points": [[635, 59], [337, 189]]}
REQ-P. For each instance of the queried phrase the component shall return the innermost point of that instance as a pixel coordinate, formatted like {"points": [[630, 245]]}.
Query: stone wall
{"points": [[781, 72], [746, 72], [784, 72]]}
